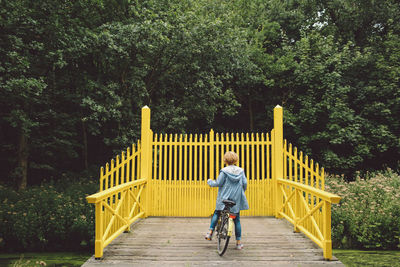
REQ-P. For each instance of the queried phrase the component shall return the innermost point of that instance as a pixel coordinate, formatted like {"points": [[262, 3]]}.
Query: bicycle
{"points": [[224, 226]]}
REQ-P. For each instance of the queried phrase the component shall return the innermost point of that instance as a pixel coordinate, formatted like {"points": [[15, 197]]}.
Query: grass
{"points": [[58, 259], [352, 258]]}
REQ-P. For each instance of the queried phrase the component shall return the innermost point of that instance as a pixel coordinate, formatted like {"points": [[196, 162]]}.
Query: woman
{"points": [[232, 184]]}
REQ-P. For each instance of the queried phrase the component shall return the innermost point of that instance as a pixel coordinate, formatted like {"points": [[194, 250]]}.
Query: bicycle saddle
{"points": [[229, 203]]}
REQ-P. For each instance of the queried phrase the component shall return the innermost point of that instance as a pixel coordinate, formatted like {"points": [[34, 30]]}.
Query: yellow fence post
{"points": [[327, 243], [211, 141], [98, 245], [146, 158], [278, 154], [296, 209]]}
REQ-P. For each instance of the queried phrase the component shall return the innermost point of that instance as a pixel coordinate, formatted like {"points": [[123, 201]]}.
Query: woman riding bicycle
{"points": [[232, 184]]}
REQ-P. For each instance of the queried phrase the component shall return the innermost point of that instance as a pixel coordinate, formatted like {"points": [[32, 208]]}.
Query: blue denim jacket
{"points": [[232, 184]]}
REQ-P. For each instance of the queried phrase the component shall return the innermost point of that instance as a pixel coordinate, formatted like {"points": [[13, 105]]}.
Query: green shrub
{"points": [[368, 215], [53, 216]]}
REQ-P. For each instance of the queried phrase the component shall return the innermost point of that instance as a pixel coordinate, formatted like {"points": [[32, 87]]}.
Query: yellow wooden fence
{"points": [[183, 164], [166, 175], [118, 204]]}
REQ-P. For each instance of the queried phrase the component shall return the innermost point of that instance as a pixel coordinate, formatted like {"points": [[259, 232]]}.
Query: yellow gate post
{"points": [[278, 155], [146, 158]]}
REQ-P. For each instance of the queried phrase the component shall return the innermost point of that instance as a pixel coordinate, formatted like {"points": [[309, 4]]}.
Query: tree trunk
{"points": [[22, 164], [85, 145], [251, 115]]}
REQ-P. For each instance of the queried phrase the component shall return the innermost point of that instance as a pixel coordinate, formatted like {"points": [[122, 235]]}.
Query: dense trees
{"points": [[74, 75]]}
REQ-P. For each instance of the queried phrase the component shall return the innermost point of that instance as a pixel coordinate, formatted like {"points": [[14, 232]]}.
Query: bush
{"points": [[51, 217], [368, 215]]}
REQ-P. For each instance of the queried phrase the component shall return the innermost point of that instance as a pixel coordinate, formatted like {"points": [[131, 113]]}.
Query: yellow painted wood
{"points": [[332, 198], [310, 221], [194, 181], [139, 159], [200, 191], [135, 157], [154, 174], [253, 162], [301, 168], [112, 173], [164, 180], [317, 176], [117, 171], [181, 171], [247, 155], [169, 179], [258, 194], [312, 173], [242, 148], [101, 178], [146, 155], [306, 170], [148, 193], [112, 221], [327, 243], [175, 176], [278, 155], [295, 169], [211, 145], [185, 176], [268, 187], [200, 179], [198, 197], [290, 170], [99, 230], [100, 196]]}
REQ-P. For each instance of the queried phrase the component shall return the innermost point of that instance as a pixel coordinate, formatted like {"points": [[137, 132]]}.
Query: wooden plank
{"points": [[173, 241]]}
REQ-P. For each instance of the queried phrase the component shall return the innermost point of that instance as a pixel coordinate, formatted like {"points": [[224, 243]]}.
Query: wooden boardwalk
{"points": [[169, 241]]}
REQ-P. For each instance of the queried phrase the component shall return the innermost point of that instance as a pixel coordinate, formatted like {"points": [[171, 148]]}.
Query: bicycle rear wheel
{"points": [[223, 238]]}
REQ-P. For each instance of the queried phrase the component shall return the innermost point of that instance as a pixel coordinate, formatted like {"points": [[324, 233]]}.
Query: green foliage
{"points": [[75, 74], [50, 217], [368, 214]]}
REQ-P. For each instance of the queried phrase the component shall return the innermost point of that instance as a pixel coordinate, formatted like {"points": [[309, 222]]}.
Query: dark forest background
{"points": [[75, 74]]}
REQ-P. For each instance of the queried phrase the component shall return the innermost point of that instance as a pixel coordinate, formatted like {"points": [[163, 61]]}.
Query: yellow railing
{"points": [[123, 188], [299, 191], [309, 210], [116, 209], [304, 202], [167, 176]]}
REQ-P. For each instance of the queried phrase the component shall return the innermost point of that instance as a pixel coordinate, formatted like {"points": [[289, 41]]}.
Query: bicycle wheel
{"points": [[223, 238]]}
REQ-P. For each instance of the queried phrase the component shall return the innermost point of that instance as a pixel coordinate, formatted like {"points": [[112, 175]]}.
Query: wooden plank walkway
{"points": [[169, 241]]}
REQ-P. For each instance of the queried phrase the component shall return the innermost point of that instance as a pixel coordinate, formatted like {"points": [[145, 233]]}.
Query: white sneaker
{"points": [[239, 246]]}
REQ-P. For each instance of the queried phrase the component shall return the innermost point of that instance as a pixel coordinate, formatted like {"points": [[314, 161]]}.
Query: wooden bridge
{"points": [[166, 175], [171, 241]]}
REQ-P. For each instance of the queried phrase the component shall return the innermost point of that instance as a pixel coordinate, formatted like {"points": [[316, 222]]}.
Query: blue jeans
{"points": [[238, 227]]}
